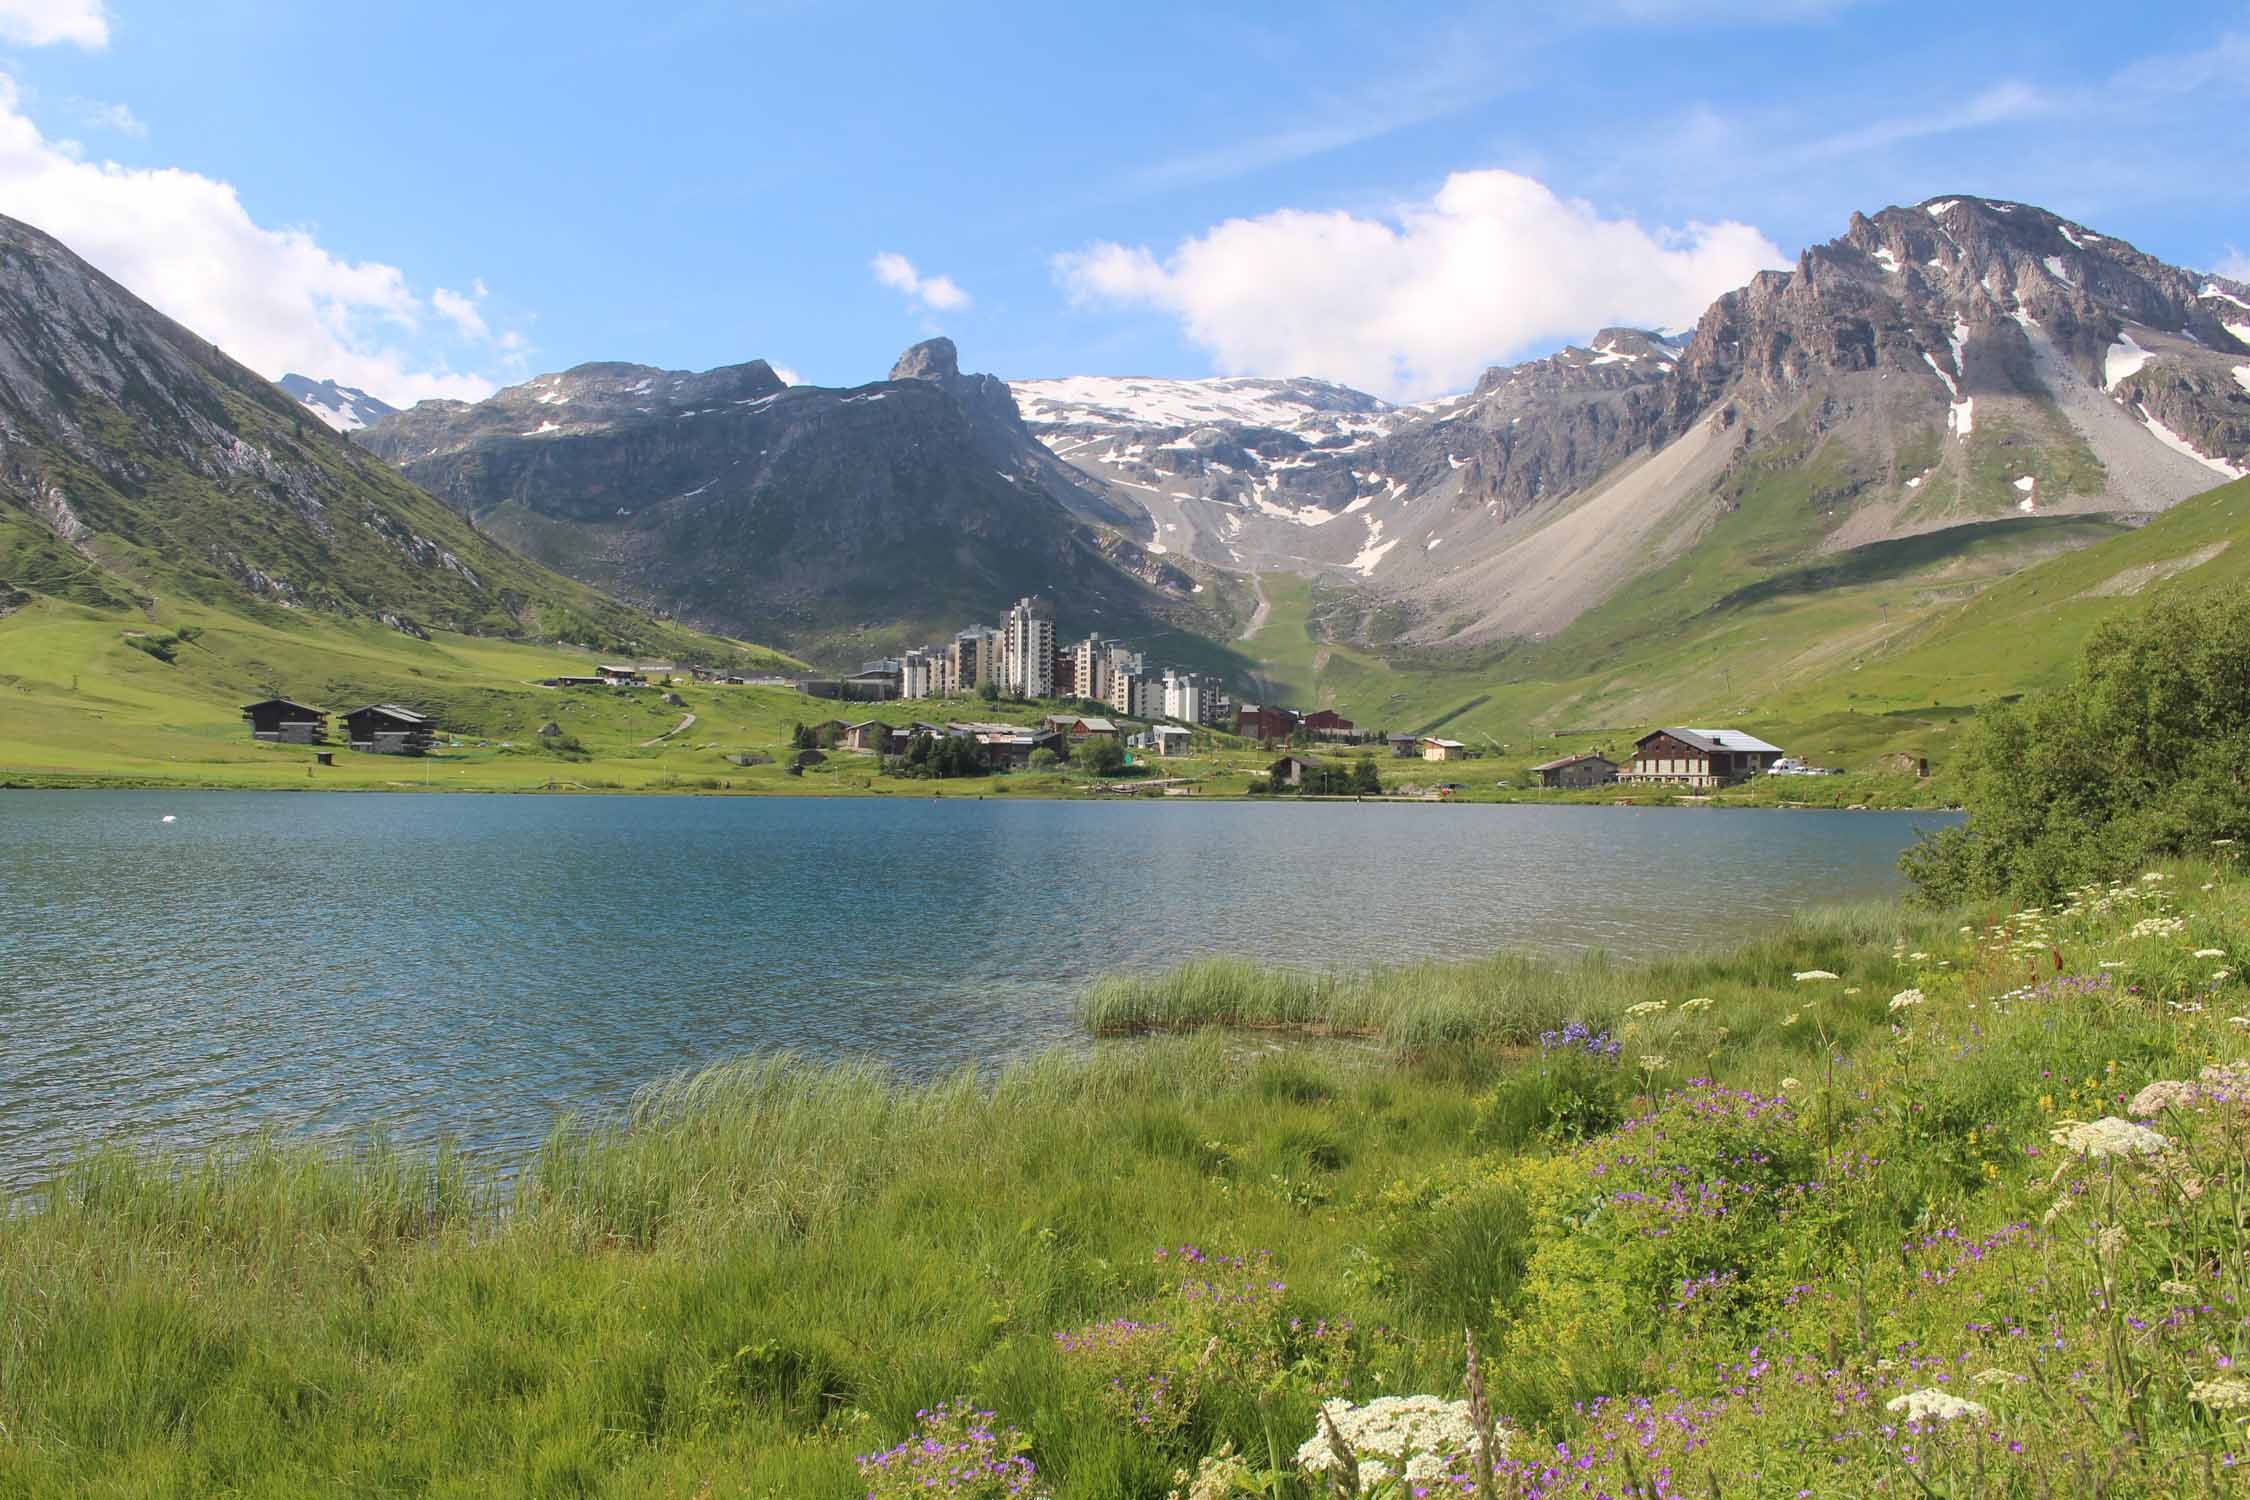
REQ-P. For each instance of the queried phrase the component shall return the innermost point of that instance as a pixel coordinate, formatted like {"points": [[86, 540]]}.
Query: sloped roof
{"points": [[1714, 739], [1572, 760], [394, 711], [280, 703]]}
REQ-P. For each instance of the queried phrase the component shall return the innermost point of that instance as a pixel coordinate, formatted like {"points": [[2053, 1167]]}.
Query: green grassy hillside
{"points": [[1874, 650]]}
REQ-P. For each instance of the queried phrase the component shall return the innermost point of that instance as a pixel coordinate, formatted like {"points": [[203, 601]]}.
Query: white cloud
{"points": [[461, 311], [2002, 104], [42, 23], [2234, 265], [273, 298], [101, 116], [1421, 302], [939, 293]]}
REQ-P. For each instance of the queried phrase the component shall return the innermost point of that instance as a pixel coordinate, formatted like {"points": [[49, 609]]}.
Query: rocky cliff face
{"points": [[802, 514], [1961, 360], [136, 460]]}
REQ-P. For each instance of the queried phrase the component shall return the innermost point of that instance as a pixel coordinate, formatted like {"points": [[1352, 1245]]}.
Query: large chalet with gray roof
{"points": [[1698, 757]]}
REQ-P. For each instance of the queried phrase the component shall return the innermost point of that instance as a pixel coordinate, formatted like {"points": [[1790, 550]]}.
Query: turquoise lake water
{"points": [[471, 966]]}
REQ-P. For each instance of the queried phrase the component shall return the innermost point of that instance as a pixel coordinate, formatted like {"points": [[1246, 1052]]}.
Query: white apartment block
{"points": [[921, 673], [1027, 650]]}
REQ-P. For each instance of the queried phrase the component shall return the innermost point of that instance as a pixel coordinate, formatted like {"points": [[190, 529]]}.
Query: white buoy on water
{"points": [[168, 817]]}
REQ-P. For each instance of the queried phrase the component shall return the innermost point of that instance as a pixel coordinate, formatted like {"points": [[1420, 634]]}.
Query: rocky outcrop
{"points": [[801, 514]]}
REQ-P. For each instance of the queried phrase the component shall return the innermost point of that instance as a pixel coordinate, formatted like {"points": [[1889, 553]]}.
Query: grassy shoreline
{"points": [[773, 1266]]}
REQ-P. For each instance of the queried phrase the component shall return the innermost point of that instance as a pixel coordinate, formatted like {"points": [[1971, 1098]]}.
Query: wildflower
{"points": [[2110, 1239], [2152, 877], [1700, 1002], [2223, 1393], [1851, 989], [2164, 1094], [2113, 963], [1918, 957], [1647, 1008], [2222, 973], [2108, 1136], [1419, 1437], [2210, 953], [1791, 1019], [1930, 1402], [2176, 1289], [1217, 1476], [2232, 1078], [1990, 1378], [1810, 975], [2238, 1020], [1652, 1063], [1904, 998], [1790, 1085]]}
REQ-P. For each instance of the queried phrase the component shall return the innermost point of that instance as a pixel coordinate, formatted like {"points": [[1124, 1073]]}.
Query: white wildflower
{"points": [[1790, 1085], [1994, 1377], [1809, 975], [1700, 1002], [2210, 953], [2112, 963], [2224, 1393], [1918, 957], [1653, 1063], [2176, 1289], [2108, 1136], [2222, 973], [1418, 1438], [2164, 1094], [1904, 998], [1932, 1404], [2153, 876], [1647, 1008]]}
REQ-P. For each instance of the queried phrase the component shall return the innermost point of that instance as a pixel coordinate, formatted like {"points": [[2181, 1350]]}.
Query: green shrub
{"points": [[2144, 753]]}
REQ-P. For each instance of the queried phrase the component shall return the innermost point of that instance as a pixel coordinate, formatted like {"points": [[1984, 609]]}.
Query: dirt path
{"points": [[1258, 615], [687, 721]]}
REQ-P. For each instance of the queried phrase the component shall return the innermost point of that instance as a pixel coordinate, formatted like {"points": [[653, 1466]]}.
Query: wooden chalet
{"points": [[868, 736], [1437, 749], [1698, 757], [283, 721], [1253, 722], [1586, 769], [1404, 746], [387, 729], [1290, 770]]}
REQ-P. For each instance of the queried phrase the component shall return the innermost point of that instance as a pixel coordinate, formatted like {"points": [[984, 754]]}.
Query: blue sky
{"points": [[435, 197]]}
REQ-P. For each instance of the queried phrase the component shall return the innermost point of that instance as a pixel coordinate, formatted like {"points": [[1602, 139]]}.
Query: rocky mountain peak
{"points": [[932, 359], [344, 408]]}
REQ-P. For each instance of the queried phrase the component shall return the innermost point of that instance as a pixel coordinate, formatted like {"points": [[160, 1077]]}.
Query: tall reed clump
{"points": [[1507, 999]]}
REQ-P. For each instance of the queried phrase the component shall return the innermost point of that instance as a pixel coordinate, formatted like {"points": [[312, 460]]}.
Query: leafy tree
{"points": [[800, 738], [1044, 759], [2144, 752], [989, 690], [1102, 756], [1366, 780]]}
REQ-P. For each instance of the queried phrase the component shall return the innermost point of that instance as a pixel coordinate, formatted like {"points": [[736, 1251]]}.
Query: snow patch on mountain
{"points": [[2181, 445], [2124, 358]]}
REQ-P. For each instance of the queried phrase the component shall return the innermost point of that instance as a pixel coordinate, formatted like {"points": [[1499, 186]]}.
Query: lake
{"points": [[471, 966]]}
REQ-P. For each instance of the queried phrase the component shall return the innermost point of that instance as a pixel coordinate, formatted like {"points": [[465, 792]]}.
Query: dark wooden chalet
{"points": [[282, 721], [1586, 769], [387, 729], [1699, 757], [1290, 770]]}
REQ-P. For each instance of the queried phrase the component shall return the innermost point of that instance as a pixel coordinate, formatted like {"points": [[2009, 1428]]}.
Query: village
{"points": [[1096, 715]]}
